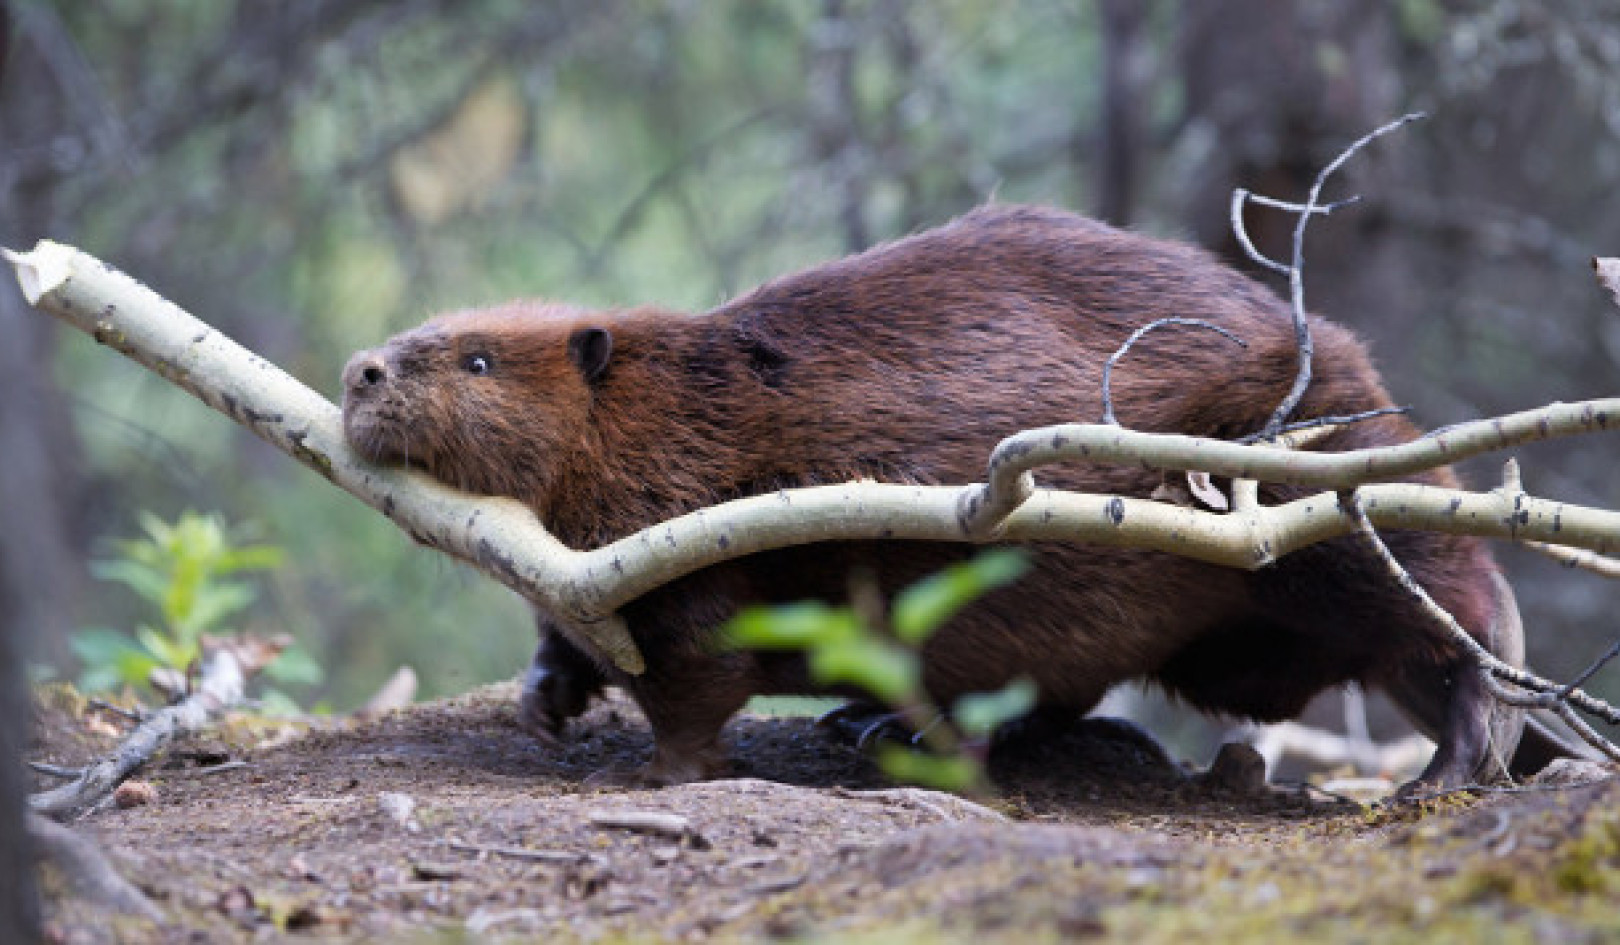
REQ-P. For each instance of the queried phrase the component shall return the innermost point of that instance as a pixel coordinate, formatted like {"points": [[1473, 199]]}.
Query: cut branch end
{"points": [[39, 271]]}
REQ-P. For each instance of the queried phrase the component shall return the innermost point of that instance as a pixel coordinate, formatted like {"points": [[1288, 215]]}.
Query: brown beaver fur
{"points": [[908, 363]]}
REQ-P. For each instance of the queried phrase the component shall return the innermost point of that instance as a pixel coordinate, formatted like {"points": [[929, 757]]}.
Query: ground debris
{"points": [[1093, 833]]}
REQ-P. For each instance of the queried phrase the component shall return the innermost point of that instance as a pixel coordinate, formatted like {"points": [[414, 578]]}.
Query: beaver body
{"points": [[908, 363]]}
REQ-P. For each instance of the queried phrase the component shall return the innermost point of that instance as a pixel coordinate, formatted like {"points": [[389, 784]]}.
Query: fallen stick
{"points": [[227, 666]]}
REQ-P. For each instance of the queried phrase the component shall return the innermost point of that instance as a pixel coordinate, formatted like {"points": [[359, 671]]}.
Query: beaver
{"points": [[907, 363]]}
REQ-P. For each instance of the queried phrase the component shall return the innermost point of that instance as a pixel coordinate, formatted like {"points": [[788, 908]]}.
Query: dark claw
{"points": [[864, 724]]}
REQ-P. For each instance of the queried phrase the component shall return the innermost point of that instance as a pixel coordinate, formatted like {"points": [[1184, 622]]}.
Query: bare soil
{"points": [[1093, 834]]}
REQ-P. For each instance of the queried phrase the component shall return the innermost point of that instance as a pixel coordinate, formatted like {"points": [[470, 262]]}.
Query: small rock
{"points": [[1573, 772], [399, 808], [1238, 768], [134, 794]]}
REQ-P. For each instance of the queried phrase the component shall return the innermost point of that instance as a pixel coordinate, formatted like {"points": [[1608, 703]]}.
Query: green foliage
{"points": [[979, 713], [923, 607], [186, 573], [844, 647], [959, 772]]}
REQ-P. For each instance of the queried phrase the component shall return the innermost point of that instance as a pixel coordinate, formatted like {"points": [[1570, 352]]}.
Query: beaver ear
{"points": [[590, 349]]}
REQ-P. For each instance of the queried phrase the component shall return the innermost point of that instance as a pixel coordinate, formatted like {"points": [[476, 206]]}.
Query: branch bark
{"points": [[583, 589]]}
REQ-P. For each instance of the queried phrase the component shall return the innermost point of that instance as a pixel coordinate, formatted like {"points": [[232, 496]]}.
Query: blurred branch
{"points": [[88, 872], [672, 172], [834, 117], [228, 664], [81, 91]]}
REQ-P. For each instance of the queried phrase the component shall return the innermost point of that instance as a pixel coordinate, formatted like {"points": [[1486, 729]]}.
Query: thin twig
{"points": [[1296, 273], [1601, 565], [132, 715], [56, 771], [1590, 671], [1323, 209], [1241, 196], [1108, 366], [1334, 421], [1567, 699], [1587, 733], [561, 857], [236, 764]]}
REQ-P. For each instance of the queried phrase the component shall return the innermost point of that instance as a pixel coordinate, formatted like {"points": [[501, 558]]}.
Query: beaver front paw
{"points": [[558, 686]]}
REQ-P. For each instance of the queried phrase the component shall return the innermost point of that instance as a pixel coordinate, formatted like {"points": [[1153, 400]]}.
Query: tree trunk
{"points": [[41, 576]]}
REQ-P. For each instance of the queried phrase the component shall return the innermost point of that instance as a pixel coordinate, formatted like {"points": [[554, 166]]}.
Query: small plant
{"points": [[185, 571], [858, 644]]}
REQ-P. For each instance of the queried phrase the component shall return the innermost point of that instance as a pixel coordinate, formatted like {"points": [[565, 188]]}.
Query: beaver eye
{"points": [[479, 364]]}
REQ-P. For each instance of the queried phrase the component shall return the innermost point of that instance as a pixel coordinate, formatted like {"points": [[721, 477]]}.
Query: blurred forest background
{"points": [[313, 176]]}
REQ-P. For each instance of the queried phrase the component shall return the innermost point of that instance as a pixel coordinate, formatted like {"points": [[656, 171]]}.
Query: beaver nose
{"points": [[365, 371]]}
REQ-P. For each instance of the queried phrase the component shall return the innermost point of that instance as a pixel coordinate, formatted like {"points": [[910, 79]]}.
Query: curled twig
{"points": [[1108, 366], [1241, 197]]}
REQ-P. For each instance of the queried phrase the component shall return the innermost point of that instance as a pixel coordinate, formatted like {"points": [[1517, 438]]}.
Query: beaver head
{"points": [[489, 401]]}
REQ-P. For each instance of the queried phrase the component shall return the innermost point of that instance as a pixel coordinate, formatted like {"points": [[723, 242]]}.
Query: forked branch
{"points": [[585, 588]]}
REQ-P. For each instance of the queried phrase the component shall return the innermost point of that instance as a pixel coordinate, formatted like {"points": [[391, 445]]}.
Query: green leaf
{"points": [[110, 659], [135, 667], [274, 702], [99, 645], [954, 773], [150, 583], [791, 626], [176, 654], [979, 713], [295, 667], [886, 671], [100, 678], [156, 529], [923, 607], [250, 558], [214, 602]]}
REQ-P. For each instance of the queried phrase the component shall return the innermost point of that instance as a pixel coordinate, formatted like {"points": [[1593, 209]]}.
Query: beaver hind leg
{"points": [[687, 699], [1476, 735]]}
